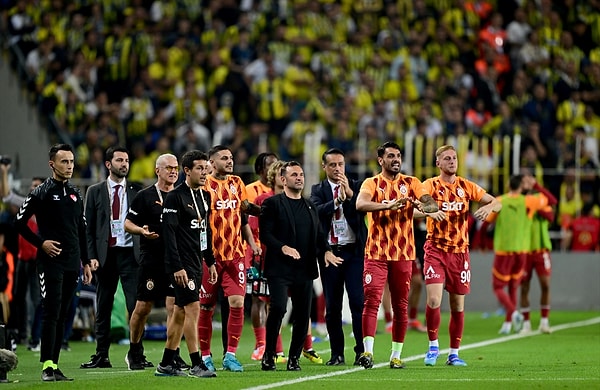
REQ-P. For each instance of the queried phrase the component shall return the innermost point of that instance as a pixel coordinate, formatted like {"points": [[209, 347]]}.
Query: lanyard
{"points": [[196, 204], [159, 193]]}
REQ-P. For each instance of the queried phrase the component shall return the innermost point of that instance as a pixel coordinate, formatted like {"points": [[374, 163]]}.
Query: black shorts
{"points": [[188, 294], [153, 283]]}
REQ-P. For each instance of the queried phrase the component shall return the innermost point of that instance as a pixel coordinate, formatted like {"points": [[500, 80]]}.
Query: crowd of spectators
{"points": [[176, 75]]}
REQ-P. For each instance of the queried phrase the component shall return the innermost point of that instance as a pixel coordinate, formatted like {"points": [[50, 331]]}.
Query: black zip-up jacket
{"points": [[181, 231], [58, 207]]}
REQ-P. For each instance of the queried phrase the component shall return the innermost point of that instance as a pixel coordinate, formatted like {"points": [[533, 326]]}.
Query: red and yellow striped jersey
{"points": [[452, 234], [226, 216], [391, 235], [256, 189]]}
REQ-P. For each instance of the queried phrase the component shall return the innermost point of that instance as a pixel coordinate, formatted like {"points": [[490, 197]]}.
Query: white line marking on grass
{"points": [[498, 340], [444, 380]]}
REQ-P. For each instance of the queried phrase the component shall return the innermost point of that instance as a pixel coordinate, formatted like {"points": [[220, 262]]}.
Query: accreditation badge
{"points": [[116, 228], [203, 240]]}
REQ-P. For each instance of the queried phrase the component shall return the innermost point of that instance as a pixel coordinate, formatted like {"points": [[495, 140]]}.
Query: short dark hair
{"points": [[515, 182], [110, 152], [41, 179], [289, 164], [216, 149], [260, 162], [56, 148], [187, 160], [381, 149], [331, 151]]}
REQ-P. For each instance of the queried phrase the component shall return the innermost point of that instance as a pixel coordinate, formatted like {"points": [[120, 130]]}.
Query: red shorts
{"points": [[231, 277], [396, 273], [507, 268], [539, 262], [451, 269]]}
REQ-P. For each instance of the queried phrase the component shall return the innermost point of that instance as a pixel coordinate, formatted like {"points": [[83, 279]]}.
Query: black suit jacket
{"points": [[97, 215], [277, 228], [321, 195]]}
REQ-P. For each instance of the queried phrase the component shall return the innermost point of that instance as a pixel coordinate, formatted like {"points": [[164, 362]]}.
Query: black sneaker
{"points": [[134, 361], [65, 346], [201, 371], [179, 362], [366, 360], [48, 375], [268, 362], [169, 370], [146, 363], [59, 376]]}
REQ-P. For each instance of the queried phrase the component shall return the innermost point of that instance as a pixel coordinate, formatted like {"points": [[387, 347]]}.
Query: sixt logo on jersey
{"points": [[226, 204], [452, 206], [195, 224]]}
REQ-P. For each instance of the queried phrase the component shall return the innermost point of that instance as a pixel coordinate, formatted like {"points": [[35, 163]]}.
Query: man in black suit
{"points": [[290, 230], [335, 198], [113, 251]]}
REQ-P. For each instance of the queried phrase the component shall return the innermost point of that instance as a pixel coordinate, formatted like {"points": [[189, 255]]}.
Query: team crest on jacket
{"points": [[233, 189], [368, 278], [191, 285], [403, 190], [74, 197], [241, 266], [466, 264], [149, 284], [460, 192]]}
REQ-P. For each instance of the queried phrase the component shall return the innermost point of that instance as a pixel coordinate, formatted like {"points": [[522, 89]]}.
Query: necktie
{"points": [[116, 211], [337, 215]]}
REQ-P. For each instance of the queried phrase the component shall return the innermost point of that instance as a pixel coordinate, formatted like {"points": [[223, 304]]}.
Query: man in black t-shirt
{"points": [[291, 232], [144, 219], [188, 242]]}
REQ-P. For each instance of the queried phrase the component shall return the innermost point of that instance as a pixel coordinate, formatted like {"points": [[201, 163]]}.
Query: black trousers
{"points": [[350, 275], [57, 288], [120, 264], [300, 293]]}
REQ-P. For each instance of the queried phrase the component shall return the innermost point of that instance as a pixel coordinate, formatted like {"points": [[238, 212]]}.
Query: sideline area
{"points": [[480, 344]]}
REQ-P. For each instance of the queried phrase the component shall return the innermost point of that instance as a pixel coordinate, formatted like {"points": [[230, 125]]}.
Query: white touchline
{"points": [[498, 340]]}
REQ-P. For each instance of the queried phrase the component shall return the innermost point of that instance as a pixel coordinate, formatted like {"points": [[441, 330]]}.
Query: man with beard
{"points": [[389, 199], [113, 252], [229, 200], [290, 230]]}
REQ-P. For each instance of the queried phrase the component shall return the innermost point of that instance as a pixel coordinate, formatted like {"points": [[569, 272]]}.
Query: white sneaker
{"points": [[526, 327], [545, 328], [517, 320], [505, 328]]}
